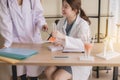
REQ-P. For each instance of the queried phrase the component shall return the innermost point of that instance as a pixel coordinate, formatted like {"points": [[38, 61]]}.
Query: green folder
{"points": [[17, 53]]}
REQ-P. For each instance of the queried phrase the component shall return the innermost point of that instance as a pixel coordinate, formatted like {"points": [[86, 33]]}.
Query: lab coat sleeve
{"points": [[73, 44], [84, 31], [39, 19], [5, 24], [76, 41]]}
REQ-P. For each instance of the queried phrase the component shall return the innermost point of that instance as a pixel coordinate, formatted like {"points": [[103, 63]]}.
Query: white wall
{"points": [[52, 7], [91, 9]]}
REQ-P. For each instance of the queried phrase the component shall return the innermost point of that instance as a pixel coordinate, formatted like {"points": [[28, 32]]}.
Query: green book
{"points": [[17, 53]]}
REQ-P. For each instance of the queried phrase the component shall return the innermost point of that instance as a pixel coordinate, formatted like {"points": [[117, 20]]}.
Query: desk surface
{"points": [[44, 57]]}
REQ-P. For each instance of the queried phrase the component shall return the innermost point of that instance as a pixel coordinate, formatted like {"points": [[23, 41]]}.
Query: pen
{"points": [[60, 57], [50, 35], [48, 32], [73, 52]]}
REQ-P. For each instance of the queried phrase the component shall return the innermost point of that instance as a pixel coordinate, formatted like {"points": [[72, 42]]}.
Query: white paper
{"points": [[72, 50], [55, 48]]}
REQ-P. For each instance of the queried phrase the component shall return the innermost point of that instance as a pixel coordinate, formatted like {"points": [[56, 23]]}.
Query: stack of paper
{"points": [[55, 48], [73, 50]]}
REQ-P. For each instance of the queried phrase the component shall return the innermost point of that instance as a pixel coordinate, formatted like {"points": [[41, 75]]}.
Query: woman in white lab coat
{"points": [[70, 30], [20, 21]]}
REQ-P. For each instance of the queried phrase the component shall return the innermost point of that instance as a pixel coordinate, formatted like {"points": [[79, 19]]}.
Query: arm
{"points": [[69, 42], [39, 19], [5, 24], [73, 43], [76, 39]]}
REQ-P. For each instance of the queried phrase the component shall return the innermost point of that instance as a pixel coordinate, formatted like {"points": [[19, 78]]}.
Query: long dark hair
{"points": [[76, 4]]}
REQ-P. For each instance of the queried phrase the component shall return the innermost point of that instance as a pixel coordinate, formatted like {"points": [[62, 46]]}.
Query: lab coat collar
{"points": [[77, 21], [64, 26]]}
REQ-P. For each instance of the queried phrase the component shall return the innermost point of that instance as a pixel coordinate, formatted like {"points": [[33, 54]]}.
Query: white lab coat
{"points": [[75, 40], [22, 25]]}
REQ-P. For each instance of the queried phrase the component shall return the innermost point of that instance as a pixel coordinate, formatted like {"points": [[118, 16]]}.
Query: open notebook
{"points": [[64, 50], [17, 53]]}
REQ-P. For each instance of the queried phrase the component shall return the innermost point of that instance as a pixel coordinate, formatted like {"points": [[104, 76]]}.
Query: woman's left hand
{"points": [[58, 35]]}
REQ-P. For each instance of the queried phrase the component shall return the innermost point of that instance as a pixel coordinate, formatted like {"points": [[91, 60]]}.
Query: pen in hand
{"points": [[50, 35], [50, 38]]}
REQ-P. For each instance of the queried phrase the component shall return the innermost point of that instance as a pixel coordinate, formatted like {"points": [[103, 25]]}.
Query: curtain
{"points": [[114, 11]]}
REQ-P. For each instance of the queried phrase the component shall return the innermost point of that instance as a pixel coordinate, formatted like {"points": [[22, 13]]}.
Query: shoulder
{"points": [[82, 23], [61, 21]]}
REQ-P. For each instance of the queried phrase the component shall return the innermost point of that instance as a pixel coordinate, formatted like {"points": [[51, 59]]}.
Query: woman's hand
{"points": [[58, 42], [59, 38], [58, 35], [45, 27]]}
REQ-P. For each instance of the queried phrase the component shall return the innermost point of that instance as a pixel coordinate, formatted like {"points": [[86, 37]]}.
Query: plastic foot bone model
{"points": [[108, 54]]}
